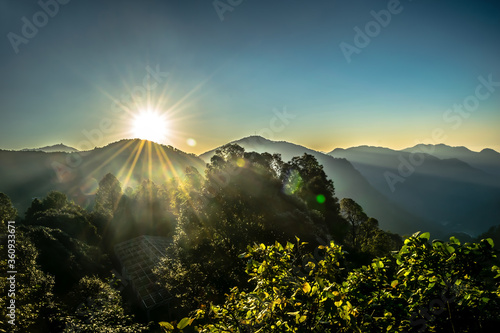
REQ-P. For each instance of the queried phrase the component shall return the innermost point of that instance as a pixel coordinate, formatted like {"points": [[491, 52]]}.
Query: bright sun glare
{"points": [[150, 125]]}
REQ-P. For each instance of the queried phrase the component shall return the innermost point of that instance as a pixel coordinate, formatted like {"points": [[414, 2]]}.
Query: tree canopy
{"points": [[438, 287]]}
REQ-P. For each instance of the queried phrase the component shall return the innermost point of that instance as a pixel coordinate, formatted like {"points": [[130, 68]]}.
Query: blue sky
{"points": [[228, 79]]}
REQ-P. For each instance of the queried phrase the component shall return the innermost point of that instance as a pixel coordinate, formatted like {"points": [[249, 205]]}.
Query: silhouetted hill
{"points": [[28, 174], [458, 196], [53, 149], [348, 182]]}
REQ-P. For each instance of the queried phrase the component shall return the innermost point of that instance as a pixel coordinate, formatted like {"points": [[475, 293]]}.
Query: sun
{"points": [[150, 125]]}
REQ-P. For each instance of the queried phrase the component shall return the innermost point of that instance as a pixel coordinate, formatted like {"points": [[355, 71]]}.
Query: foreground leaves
{"points": [[434, 287]]}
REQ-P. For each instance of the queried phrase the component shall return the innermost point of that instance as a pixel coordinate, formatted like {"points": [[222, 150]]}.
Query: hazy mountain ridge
{"points": [[440, 194], [58, 148], [28, 174], [487, 160], [461, 196]]}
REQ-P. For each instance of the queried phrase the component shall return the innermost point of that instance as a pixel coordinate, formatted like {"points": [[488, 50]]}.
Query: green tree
{"points": [[377, 242], [97, 307], [241, 202], [305, 177], [7, 210], [108, 195], [66, 258], [145, 212], [354, 214], [32, 292], [56, 212]]}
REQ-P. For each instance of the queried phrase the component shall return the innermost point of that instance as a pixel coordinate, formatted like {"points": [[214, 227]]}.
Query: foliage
{"points": [[365, 234], [55, 211], [494, 234], [7, 210], [305, 177], [108, 195], [33, 295], [64, 257], [438, 287], [355, 215], [145, 211], [232, 208], [97, 307]]}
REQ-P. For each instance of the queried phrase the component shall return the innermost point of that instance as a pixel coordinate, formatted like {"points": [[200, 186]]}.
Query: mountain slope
{"points": [[348, 182], [53, 149], [460, 197], [27, 174]]}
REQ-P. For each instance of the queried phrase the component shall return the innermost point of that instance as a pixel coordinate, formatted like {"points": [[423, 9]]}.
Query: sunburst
{"points": [[150, 125]]}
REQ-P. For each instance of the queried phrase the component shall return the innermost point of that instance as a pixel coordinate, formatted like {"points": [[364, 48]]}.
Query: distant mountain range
{"points": [[28, 174], [487, 160], [59, 148], [453, 186], [435, 188]]}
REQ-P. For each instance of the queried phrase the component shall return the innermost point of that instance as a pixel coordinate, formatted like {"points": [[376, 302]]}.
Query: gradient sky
{"points": [[228, 78]]}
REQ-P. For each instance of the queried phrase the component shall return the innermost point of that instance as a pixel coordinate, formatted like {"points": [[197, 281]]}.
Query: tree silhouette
{"points": [[354, 214], [7, 210], [108, 195], [305, 177]]}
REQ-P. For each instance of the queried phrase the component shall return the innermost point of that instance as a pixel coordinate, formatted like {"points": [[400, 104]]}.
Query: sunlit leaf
{"points": [[425, 235], [166, 325], [183, 323]]}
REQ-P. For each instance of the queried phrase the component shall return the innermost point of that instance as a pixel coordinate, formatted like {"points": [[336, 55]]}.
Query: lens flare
{"points": [[320, 198]]}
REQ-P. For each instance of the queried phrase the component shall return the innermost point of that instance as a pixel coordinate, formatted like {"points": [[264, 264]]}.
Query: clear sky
{"points": [[229, 78]]}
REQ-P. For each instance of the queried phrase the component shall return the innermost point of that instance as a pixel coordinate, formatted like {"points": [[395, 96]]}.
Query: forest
{"points": [[255, 244]]}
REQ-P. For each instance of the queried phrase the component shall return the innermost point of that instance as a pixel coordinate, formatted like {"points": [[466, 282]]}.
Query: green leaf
{"points": [[183, 323], [300, 319], [425, 235], [167, 325], [490, 241]]}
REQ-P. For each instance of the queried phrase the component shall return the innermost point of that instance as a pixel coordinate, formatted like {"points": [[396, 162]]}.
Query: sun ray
{"points": [[131, 169], [129, 158], [163, 163], [112, 157]]}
